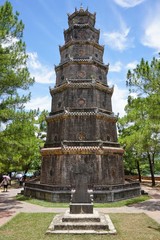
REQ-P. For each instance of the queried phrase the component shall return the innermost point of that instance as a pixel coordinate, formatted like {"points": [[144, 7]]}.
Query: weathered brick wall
{"points": [[81, 34], [81, 98], [73, 70], [82, 51], [100, 169], [78, 128]]}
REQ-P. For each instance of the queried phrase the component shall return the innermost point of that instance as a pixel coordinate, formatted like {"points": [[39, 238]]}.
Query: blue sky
{"points": [[129, 30]]}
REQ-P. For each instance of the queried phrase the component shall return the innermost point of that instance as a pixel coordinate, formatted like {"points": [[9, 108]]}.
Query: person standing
{"points": [[21, 180], [4, 183]]}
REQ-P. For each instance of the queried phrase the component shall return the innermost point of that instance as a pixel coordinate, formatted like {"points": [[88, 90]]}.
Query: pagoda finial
{"points": [[81, 7]]}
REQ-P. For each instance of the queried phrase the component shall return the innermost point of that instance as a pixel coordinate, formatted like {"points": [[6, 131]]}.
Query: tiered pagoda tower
{"points": [[82, 134]]}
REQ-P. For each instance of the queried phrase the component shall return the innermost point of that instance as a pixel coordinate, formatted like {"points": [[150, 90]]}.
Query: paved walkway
{"points": [[9, 206]]}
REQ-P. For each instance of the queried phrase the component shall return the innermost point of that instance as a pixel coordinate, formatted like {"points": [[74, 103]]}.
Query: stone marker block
{"points": [[80, 208]]}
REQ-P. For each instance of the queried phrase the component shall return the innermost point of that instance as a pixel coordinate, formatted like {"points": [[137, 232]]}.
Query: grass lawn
{"points": [[96, 205], [32, 226]]}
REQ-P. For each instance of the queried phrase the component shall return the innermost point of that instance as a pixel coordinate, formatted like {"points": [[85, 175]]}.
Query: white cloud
{"points": [[128, 3], [119, 100], [151, 36], [132, 65], [118, 40], [117, 67], [43, 103], [33, 61], [42, 73]]}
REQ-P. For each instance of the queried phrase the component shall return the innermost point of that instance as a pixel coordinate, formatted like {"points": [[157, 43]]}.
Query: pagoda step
{"points": [[87, 223], [81, 226]]}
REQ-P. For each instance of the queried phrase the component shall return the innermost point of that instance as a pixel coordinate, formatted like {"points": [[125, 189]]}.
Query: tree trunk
{"points": [[139, 171], [151, 164]]}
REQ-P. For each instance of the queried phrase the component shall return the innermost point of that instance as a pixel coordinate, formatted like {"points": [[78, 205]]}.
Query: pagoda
{"points": [[81, 127]]}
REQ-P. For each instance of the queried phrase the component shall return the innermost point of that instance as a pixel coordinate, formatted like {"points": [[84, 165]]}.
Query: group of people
{"points": [[6, 181]]}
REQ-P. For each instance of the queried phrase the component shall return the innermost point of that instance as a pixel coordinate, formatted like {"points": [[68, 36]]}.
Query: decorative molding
{"points": [[67, 114], [83, 150], [81, 101], [87, 61], [88, 26], [82, 83], [81, 74], [81, 42]]}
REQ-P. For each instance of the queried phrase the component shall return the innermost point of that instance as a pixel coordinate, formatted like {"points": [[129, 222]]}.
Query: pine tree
{"points": [[140, 128], [15, 81], [14, 75]]}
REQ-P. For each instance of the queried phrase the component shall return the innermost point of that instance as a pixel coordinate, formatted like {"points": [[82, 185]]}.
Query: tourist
{"points": [[5, 183], [21, 180]]}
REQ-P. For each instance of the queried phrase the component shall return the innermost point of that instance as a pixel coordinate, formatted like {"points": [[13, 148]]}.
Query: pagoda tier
{"points": [[84, 69], [81, 17], [81, 50]]}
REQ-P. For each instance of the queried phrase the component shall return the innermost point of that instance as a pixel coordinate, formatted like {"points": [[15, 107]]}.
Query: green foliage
{"points": [[22, 141], [145, 81], [14, 75], [42, 125], [21, 133], [140, 128]]}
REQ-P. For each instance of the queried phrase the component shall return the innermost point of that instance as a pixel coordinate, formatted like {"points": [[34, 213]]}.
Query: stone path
{"points": [[9, 206]]}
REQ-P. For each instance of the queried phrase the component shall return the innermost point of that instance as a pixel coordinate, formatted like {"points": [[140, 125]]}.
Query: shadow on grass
{"points": [[148, 205], [157, 229]]}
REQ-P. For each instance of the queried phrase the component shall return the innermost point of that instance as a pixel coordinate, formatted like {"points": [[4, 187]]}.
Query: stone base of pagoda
{"points": [[101, 165], [101, 194]]}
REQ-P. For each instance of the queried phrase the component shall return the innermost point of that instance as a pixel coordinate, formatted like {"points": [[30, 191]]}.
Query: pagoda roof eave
{"points": [[80, 42], [91, 84], [82, 61], [69, 114], [79, 26]]}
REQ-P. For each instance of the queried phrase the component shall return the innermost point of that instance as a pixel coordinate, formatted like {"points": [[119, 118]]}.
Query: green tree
{"points": [[17, 137], [128, 134], [145, 81], [23, 138], [42, 125], [14, 74], [140, 128]]}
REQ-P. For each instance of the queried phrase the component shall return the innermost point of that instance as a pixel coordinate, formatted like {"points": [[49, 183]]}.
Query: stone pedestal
{"points": [[81, 218], [80, 208], [94, 223], [81, 197]]}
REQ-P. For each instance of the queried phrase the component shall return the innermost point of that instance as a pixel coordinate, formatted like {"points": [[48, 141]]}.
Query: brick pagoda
{"points": [[82, 135]]}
